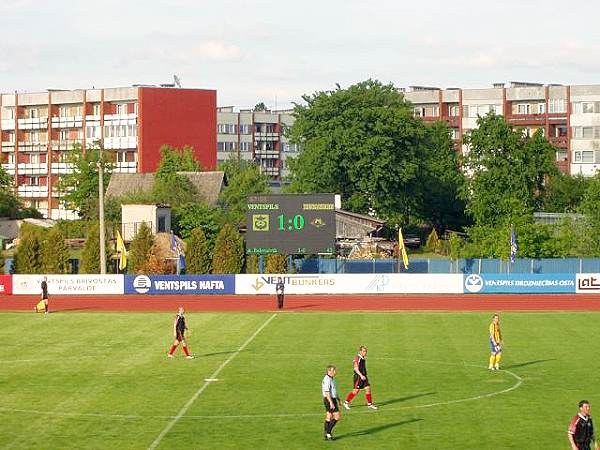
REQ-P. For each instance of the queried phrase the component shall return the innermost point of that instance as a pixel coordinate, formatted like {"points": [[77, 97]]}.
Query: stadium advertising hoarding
{"points": [[351, 284], [588, 283], [182, 284], [293, 224], [519, 283], [69, 284], [5, 284]]}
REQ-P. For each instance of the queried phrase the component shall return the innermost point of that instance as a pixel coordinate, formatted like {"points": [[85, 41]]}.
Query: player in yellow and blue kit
{"points": [[495, 343]]}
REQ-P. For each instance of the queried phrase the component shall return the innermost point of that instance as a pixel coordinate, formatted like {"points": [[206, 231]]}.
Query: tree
{"points": [[365, 143], [243, 179], [139, 250], [252, 263], [29, 251], [190, 216], [506, 171], [11, 205], [259, 107], [169, 186], [228, 255], [55, 253], [90, 256], [80, 187], [197, 258], [155, 264], [564, 193], [276, 263]]}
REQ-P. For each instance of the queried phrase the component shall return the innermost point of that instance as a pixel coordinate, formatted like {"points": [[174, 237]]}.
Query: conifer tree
{"points": [[140, 248], [228, 254], [55, 253], [197, 258]]}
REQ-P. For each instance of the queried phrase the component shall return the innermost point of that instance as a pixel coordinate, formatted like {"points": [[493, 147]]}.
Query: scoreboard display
{"points": [[291, 224]]}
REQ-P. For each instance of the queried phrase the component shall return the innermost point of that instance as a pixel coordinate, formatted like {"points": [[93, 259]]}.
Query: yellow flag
{"points": [[402, 248], [121, 248]]}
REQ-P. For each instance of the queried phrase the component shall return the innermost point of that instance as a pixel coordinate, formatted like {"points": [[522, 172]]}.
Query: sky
{"points": [[277, 51]]}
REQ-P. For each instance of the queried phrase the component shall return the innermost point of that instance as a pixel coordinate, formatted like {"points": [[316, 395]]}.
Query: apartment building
{"points": [[37, 131], [569, 116], [256, 136]]}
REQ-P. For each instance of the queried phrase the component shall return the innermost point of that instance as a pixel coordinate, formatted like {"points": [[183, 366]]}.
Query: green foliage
{"points": [[170, 187], [197, 255], [11, 205], [55, 253], [90, 256], [72, 229], [507, 171], [564, 193], [455, 246], [139, 249], [80, 187], [243, 179], [364, 143], [259, 107], [228, 255], [276, 263], [29, 251], [252, 263], [190, 216]]}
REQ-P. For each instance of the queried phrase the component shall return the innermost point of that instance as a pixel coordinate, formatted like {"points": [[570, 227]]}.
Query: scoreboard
{"points": [[291, 224]]}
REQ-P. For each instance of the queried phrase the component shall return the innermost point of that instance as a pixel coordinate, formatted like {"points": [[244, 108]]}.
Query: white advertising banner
{"points": [[587, 283], [69, 284], [376, 283]]}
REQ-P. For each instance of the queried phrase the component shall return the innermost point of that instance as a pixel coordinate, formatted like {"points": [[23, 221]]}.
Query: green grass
{"points": [[102, 381]]}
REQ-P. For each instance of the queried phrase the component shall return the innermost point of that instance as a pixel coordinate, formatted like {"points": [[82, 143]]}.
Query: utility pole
{"points": [[101, 212]]}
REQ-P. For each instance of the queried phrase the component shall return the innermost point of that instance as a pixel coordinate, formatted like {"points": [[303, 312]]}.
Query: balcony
{"points": [[32, 168], [126, 167], [559, 141], [61, 168], [453, 121], [526, 119], [270, 154], [26, 190], [33, 146], [33, 123], [67, 122], [7, 124], [116, 143], [66, 145]]}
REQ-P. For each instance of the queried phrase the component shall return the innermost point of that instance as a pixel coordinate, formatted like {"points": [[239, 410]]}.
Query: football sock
{"points": [[492, 360], [185, 350], [326, 427], [173, 348], [498, 356], [331, 425], [369, 398], [350, 396]]}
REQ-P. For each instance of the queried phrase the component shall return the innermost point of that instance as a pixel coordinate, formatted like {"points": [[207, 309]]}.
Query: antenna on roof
{"points": [[177, 81]]}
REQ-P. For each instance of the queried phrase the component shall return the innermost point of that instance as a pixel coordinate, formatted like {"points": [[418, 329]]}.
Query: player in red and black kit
{"points": [[179, 331], [360, 379], [581, 429]]}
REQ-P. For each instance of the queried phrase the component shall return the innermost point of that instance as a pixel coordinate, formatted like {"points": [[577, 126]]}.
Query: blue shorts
{"points": [[494, 348]]}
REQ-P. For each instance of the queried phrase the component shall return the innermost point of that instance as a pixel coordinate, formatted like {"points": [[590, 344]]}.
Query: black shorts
{"points": [[328, 406], [180, 337], [360, 384]]}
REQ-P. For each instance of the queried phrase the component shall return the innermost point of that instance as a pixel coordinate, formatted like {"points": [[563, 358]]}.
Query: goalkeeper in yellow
{"points": [[495, 343]]}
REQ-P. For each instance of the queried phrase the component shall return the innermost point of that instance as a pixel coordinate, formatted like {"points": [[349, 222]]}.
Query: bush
{"points": [[276, 264], [90, 257], [252, 264], [55, 253], [29, 251], [139, 250], [197, 258], [229, 251]]}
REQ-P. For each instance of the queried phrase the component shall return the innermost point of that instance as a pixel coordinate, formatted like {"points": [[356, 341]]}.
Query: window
{"points": [[11, 136], [454, 111], [455, 133], [226, 146], [135, 108], [527, 132], [132, 130], [162, 224], [588, 132], [561, 155], [523, 108], [541, 108], [585, 156], [435, 111], [33, 113], [34, 181], [9, 113], [64, 135], [482, 110], [92, 132], [34, 158], [557, 105], [121, 157], [96, 109], [121, 108], [587, 107], [419, 111], [11, 158], [63, 111], [560, 130], [496, 109], [245, 129], [245, 146]]}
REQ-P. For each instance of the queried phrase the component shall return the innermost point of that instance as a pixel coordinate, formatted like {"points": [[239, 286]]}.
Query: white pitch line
{"points": [[183, 410]]}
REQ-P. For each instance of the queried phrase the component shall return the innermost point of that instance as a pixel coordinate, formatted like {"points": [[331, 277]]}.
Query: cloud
{"points": [[218, 51]]}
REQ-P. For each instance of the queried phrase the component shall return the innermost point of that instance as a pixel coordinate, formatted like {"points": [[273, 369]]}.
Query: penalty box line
{"points": [[185, 407]]}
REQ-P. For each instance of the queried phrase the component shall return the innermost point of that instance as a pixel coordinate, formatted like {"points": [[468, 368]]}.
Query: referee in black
{"points": [[331, 401], [581, 429], [279, 288]]}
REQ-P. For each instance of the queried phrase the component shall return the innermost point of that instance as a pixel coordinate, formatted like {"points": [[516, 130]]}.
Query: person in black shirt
{"points": [[581, 429], [279, 288], [179, 328], [359, 364], [43, 303]]}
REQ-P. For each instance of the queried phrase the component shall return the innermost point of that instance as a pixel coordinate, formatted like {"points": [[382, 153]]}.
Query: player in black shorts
{"points": [[330, 401], [360, 379], [179, 328]]}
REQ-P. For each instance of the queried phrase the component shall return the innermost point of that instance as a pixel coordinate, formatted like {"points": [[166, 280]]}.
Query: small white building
{"points": [[157, 217]]}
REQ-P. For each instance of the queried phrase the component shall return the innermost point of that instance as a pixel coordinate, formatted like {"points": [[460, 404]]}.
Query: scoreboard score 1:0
{"points": [[290, 224]]}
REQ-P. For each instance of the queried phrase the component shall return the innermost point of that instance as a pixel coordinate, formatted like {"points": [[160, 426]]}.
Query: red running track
{"points": [[379, 302]]}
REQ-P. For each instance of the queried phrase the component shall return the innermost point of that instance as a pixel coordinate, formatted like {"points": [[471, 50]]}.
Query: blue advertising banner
{"points": [[180, 284], [519, 283]]}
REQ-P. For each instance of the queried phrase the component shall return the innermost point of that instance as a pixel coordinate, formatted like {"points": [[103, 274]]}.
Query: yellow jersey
{"points": [[495, 334]]}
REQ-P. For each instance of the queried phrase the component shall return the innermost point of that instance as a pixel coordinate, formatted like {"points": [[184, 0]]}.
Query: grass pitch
{"points": [[102, 380]]}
